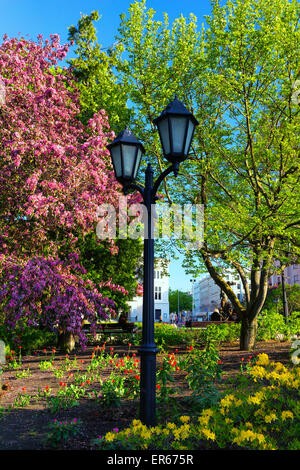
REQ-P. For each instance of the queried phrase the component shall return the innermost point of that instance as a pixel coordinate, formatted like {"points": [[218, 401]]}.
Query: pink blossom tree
{"points": [[54, 171], [50, 293]]}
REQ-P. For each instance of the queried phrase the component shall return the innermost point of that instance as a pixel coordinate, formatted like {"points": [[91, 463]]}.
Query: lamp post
{"points": [[176, 127], [283, 282], [284, 297], [193, 295]]}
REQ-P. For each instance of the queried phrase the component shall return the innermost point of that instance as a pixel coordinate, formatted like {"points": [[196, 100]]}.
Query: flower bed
{"points": [[100, 390], [265, 420]]}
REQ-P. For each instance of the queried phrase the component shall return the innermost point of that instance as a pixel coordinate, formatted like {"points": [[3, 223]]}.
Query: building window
{"points": [[157, 293], [279, 280], [296, 278], [157, 275]]}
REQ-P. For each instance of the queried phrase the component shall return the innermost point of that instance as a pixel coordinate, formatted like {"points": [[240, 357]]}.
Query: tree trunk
{"points": [[66, 341], [248, 333]]}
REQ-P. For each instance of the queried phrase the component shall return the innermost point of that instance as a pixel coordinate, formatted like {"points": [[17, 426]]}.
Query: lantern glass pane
{"points": [[129, 158], [189, 137], [163, 127], [116, 158], [178, 125], [137, 163]]}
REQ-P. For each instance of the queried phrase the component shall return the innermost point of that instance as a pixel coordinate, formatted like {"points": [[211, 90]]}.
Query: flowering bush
{"points": [[267, 419], [54, 174], [54, 171], [50, 293], [61, 431]]}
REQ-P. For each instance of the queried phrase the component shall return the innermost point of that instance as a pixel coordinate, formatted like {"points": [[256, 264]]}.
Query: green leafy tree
{"points": [[238, 76], [185, 301], [93, 67], [116, 275], [274, 298]]}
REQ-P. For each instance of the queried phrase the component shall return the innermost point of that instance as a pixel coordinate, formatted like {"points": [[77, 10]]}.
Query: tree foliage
{"points": [[237, 75], [50, 293], [185, 301], [119, 274], [94, 69], [274, 298], [54, 171]]}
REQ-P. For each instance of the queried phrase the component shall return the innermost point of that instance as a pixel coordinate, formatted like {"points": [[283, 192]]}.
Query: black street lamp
{"points": [[176, 127], [193, 295], [284, 297]]}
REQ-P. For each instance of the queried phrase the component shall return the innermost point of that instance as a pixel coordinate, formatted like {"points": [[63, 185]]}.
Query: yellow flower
{"points": [[110, 436], [205, 417], [136, 422], [171, 425], [184, 419], [271, 417], [260, 438], [145, 435], [256, 398], [286, 414], [227, 400], [279, 367], [203, 420], [248, 436], [262, 360], [257, 372], [208, 434], [176, 433]]}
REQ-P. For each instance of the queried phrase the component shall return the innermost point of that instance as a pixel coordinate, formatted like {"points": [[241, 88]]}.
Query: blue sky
{"points": [[32, 17]]}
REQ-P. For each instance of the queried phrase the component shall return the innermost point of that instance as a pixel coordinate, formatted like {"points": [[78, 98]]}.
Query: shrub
{"points": [[272, 324], [31, 339], [267, 419], [50, 293], [61, 431]]}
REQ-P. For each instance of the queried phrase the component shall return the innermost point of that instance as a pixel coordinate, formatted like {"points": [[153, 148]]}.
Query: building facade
{"points": [[207, 295], [161, 297], [291, 276]]}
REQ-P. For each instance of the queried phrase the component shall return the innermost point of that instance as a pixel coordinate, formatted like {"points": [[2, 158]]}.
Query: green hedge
{"points": [[30, 339]]}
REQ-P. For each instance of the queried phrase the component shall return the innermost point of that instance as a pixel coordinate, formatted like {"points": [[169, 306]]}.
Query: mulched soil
{"points": [[25, 428]]}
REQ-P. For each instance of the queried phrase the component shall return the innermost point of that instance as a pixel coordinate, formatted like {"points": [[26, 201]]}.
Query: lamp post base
{"points": [[148, 385]]}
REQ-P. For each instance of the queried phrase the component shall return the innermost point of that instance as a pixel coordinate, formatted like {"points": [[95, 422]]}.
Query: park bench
{"points": [[205, 324], [111, 329]]}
